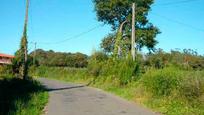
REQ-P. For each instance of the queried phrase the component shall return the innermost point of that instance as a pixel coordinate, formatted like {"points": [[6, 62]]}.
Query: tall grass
{"points": [[173, 91], [21, 97], [61, 73], [124, 71]]}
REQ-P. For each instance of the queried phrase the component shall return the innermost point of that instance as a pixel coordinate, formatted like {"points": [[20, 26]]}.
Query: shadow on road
{"points": [[70, 87], [64, 88]]}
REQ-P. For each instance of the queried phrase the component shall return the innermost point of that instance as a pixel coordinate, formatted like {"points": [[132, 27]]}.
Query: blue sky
{"points": [[181, 24]]}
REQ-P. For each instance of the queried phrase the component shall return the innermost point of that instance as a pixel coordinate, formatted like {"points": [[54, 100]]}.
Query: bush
{"points": [[5, 70], [192, 86], [174, 82], [125, 70], [173, 91], [162, 82], [96, 62]]}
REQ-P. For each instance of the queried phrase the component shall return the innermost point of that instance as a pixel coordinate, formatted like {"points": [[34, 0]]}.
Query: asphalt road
{"points": [[73, 99]]}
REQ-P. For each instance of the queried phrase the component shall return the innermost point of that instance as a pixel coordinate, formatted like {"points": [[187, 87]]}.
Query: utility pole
{"points": [[34, 57], [133, 32], [25, 43], [26, 23]]}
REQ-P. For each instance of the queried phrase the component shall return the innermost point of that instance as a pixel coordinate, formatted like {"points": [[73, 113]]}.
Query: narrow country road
{"points": [[72, 99]]}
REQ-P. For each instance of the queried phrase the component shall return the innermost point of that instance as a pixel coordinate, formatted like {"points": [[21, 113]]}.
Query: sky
{"points": [[72, 26]]}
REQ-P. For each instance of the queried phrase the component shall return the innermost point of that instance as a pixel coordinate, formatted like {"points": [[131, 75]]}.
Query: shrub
{"points": [[162, 82], [96, 62], [94, 68], [124, 69], [173, 91], [171, 81], [192, 86], [5, 70]]}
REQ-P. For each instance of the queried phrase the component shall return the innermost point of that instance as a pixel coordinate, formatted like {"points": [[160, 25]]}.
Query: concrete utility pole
{"points": [[25, 65], [26, 15], [133, 32], [26, 23]]}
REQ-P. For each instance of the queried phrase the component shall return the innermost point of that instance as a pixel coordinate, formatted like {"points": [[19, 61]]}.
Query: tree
{"points": [[61, 59], [116, 12], [108, 42]]}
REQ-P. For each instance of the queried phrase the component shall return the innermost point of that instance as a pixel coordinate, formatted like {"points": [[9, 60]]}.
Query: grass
{"points": [[21, 97], [66, 74], [170, 91]]}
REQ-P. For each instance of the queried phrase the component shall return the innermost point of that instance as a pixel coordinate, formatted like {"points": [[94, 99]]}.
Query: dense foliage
{"points": [[187, 59], [51, 58], [116, 12], [122, 70]]}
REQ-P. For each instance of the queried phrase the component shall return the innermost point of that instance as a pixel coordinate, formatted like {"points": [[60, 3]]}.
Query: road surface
{"points": [[72, 99]]}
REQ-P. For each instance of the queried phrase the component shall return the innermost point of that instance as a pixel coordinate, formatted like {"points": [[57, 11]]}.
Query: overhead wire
{"points": [[178, 22], [72, 37], [176, 2]]}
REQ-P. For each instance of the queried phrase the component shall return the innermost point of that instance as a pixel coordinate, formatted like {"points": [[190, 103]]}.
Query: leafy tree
{"points": [[116, 12], [107, 43]]}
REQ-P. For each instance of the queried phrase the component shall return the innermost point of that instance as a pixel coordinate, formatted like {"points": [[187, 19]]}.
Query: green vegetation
{"points": [[21, 97], [61, 73], [159, 81], [173, 91], [118, 14], [51, 58]]}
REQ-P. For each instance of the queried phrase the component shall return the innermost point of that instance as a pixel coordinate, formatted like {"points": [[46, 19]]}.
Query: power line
{"points": [[175, 3], [73, 37], [178, 22]]}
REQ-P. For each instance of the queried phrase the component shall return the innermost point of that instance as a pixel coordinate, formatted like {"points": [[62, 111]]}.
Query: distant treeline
{"points": [[61, 59], [186, 59]]}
